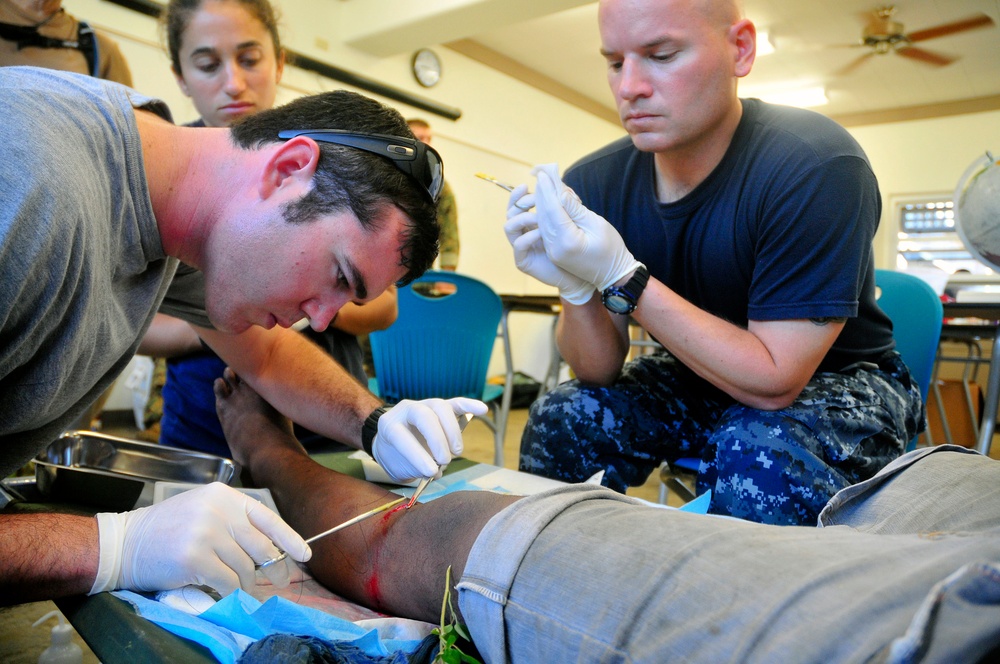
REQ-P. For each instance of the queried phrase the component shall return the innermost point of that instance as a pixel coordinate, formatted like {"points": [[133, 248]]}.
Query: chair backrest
{"points": [[916, 313], [439, 346]]}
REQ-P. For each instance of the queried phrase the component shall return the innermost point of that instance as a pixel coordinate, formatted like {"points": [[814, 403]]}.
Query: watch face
{"points": [[618, 304], [426, 67]]}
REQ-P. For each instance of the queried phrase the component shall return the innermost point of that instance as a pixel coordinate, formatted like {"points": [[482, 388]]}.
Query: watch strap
{"points": [[631, 290], [370, 429]]}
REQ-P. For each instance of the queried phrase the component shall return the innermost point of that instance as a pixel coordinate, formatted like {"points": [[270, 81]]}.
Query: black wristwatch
{"points": [[370, 429], [624, 299]]}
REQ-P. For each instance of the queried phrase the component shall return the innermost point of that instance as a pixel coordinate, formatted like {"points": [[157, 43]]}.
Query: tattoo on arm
{"points": [[827, 320]]}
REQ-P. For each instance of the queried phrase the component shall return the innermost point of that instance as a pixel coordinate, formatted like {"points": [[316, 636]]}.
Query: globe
{"points": [[977, 210]]}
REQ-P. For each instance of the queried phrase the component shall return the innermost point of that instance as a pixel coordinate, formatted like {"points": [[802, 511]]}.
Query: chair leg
{"points": [[669, 479], [498, 434]]}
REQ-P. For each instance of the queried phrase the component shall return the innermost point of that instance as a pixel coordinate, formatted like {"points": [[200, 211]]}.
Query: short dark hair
{"points": [[351, 179]]}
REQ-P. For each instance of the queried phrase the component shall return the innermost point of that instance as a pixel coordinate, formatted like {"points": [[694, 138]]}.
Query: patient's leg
{"points": [[394, 562]]}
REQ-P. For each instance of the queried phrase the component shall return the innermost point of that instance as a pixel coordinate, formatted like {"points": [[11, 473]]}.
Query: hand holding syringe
{"points": [[529, 248]]}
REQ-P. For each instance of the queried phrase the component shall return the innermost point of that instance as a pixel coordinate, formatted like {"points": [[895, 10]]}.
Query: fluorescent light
{"points": [[801, 97], [764, 45]]}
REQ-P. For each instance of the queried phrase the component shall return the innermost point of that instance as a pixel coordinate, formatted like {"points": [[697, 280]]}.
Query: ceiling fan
{"points": [[883, 35]]}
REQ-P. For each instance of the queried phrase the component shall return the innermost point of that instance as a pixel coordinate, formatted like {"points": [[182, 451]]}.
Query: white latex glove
{"points": [[529, 251], [209, 536], [576, 239], [417, 439]]}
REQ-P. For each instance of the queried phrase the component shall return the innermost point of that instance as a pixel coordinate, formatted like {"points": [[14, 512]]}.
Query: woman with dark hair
{"points": [[227, 57]]}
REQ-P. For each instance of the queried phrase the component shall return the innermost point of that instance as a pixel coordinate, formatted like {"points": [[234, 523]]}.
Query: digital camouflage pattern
{"points": [[778, 467], [447, 217]]}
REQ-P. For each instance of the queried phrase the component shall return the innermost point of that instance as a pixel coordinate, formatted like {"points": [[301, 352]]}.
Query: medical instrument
{"points": [[502, 185], [463, 419], [490, 178], [349, 522], [420, 489]]}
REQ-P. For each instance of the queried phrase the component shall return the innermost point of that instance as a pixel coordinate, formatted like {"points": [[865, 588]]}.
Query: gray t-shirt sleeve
{"points": [[186, 297]]}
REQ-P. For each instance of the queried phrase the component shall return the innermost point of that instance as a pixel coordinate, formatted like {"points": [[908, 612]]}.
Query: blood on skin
{"points": [[372, 584]]}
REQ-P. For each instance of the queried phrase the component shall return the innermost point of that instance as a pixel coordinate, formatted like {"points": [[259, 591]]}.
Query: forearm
{"points": [[46, 555], [378, 314], [394, 562], [592, 342], [764, 367], [299, 380], [169, 337]]}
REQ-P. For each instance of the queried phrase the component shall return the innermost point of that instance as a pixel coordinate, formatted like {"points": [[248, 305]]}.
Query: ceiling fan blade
{"points": [[927, 57], [853, 64], [971, 23]]}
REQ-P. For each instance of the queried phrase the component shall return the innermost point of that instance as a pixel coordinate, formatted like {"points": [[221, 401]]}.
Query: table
{"points": [[117, 635], [537, 304], [989, 312]]}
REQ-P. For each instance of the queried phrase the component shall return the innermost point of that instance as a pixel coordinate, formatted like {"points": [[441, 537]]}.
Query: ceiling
{"points": [[556, 48]]}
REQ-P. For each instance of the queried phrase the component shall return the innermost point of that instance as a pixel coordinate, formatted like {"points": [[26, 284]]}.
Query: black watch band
{"points": [[622, 300], [370, 429]]}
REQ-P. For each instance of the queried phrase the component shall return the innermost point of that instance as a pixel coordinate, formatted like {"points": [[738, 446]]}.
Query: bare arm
{"points": [[765, 365], [169, 337], [395, 563], [378, 314], [45, 555], [592, 340], [302, 381]]}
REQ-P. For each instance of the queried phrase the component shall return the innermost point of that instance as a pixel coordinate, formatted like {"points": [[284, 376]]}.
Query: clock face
{"points": [[426, 67]]}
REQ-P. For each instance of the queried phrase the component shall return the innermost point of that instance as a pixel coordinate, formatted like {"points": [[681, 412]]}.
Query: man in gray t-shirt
{"points": [[102, 196]]}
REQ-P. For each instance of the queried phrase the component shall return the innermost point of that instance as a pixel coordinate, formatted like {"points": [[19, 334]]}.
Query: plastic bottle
{"points": [[62, 650]]}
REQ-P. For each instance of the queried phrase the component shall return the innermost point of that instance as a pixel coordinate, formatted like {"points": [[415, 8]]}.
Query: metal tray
{"points": [[110, 472]]}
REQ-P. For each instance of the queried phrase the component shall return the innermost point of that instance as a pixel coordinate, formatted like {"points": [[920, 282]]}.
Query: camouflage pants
{"points": [[778, 467]]}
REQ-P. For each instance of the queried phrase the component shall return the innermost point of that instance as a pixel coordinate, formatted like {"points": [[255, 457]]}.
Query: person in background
{"points": [[40, 33], [739, 235], [447, 208], [227, 57], [283, 222]]}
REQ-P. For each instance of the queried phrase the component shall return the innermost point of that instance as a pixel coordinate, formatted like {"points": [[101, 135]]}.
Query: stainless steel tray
{"points": [[110, 472]]}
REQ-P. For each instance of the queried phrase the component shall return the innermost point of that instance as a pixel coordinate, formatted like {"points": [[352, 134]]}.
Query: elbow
{"points": [[595, 378], [773, 403], [778, 399]]}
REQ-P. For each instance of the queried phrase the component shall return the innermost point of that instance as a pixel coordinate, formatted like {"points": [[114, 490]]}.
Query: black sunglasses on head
{"points": [[418, 160]]}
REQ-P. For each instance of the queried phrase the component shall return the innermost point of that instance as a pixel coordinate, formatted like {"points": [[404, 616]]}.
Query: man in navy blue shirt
{"points": [[738, 234]]}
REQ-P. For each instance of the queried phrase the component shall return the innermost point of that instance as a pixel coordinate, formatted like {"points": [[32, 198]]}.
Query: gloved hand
{"points": [[529, 252], [416, 439], [208, 536], [576, 239]]}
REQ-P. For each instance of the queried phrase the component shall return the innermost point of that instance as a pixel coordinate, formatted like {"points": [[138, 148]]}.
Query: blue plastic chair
{"points": [[916, 313], [440, 346]]}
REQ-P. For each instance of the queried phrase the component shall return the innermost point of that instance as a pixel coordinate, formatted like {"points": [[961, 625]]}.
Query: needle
{"points": [[349, 522], [502, 185], [490, 178], [420, 489], [462, 421]]}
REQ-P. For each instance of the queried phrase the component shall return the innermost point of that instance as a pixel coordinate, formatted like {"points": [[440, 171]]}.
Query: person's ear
{"points": [[743, 36], [281, 67], [180, 82], [292, 162]]}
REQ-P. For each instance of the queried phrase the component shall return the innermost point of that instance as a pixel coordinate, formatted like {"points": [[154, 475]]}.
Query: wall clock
{"points": [[426, 67]]}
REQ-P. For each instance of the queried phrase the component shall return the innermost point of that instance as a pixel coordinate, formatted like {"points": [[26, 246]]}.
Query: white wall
{"points": [[922, 157]]}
